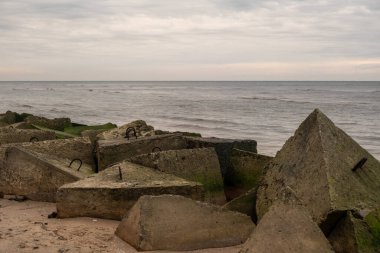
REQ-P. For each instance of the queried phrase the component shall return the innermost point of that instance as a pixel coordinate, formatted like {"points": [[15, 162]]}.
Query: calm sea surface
{"points": [[268, 112]]}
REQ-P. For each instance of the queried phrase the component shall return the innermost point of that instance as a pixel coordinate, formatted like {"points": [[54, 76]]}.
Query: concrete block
{"points": [[139, 126], [287, 229], [357, 234], [109, 196], [170, 222], [13, 135], [36, 176], [199, 165], [327, 170], [114, 151], [246, 173], [74, 148], [223, 148]]}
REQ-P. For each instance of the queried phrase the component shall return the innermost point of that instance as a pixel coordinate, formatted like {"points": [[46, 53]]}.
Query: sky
{"points": [[189, 40]]}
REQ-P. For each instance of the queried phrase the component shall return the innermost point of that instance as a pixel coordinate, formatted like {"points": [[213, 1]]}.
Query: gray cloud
{"points": [[121, 40]]}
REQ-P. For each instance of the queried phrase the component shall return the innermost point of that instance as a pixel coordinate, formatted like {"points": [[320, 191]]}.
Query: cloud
{"points": [[100, 37]]}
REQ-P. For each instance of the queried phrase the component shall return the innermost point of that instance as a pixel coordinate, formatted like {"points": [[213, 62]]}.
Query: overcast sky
{"points": [[189, 40]]}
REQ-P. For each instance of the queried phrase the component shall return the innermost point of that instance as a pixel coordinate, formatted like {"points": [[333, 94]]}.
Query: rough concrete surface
{"points": [[140, 127], [199, 165], [223, 148], [169, 222], [24, 227], [74, 148], [113, 151], [245, 203], [246, 172], [13, 135], [355, 234], [318, 163], [287, 228], [105, 195], [36, 176]]}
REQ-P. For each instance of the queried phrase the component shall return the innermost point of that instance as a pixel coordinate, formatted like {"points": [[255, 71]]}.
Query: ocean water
{"points": [[268, 112]]}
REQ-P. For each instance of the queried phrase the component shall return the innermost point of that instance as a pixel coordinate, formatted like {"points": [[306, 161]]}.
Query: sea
{"points": [[268, 112]]}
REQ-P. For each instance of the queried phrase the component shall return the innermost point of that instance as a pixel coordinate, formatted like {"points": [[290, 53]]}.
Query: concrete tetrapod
{"points": [[111, 192], [326, 170], [287, 228], [169, 222], [199, 165]]}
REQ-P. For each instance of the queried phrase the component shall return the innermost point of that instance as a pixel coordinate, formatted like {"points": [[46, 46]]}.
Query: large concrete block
{"points": [[56, 124], [36, 176], [74, 148], [113, 151], [246, 173], [327, 170], [287, 228], [170, 222], [12, 135], [355, 234], [223, 148], [112, 192], [139, 126], [199, 165]]}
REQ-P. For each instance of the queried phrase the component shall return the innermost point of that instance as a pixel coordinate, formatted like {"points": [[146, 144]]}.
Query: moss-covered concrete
{"points": [[77, 130]]}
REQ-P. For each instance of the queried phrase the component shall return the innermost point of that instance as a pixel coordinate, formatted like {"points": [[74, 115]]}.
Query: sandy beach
{"points": [[25, 227]]}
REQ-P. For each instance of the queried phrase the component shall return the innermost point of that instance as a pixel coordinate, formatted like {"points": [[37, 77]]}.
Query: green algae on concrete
{"points": [[77, 130]]}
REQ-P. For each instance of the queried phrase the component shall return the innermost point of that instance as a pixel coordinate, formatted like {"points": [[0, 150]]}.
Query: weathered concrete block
{"points": [[56, 124], [170, 222], [287, 229], [199, 165], [36, 176], [12, 135], [108, 196], [246, 173], [113, 151], [223, 148], [327, 170], [356, 234], [139, 126], [74, 148]]}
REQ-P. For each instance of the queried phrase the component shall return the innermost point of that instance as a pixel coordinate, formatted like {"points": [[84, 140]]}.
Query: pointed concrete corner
{"points": [[170, 222], [287, 228], [36, 176], [113, 191], [327, 170]]}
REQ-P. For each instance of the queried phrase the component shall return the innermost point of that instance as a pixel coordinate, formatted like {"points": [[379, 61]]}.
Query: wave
{"points": [[276, 99]]}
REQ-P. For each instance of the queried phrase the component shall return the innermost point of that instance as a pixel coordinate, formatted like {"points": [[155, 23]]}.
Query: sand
{"points": [[25, 227]]}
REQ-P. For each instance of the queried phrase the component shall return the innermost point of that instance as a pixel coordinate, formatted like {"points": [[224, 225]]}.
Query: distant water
{"points": [[268, 112]]}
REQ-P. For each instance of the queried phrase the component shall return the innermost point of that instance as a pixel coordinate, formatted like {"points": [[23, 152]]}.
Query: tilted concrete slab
{"points": [[74, 148], [113, 151], [247, 172], [170, 222], [107, 196], [287, 228], [223, 148], [36, 176], [356, 234], [327, 170], [199, 165], [13, 135]]}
